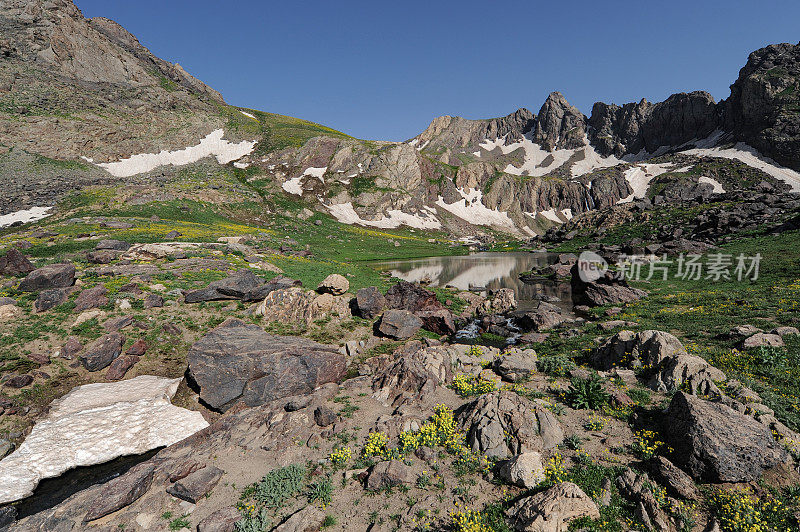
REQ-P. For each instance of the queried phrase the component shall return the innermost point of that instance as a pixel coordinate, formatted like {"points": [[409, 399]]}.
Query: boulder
{"points": [[762, 340], [90, 298], [295, 305], [542, 317], [334, 284], [607, 290], [153, 301], [516, 365], [370, 302], [438, 321], [552, 510], [196, 485], [399, 324], [117, 324], [743, 331], [94, 424], [715, 443], [235, 286], [501, 301], [503, 424], [240, 362], [411, 297], [48, 277], [688, 372], [137, 348], [276, 283], [389, 473], [324, 416], [630, 349], [18, 381], [14, 263], [105, 256], [676, 481], [524, 470], [122, 491], [785, 331], [113, 245], [102, 352], [413, 377], [71, 347], [50, 298]]}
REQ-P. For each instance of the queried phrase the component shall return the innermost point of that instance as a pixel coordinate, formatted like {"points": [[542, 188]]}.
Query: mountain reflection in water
{"points": [[489, 270]]}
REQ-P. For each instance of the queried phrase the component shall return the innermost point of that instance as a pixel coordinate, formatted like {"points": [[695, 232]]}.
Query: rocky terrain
{"points": [[194, 333]]}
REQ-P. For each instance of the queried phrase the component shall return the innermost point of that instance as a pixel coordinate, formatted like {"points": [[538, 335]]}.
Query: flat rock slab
{"points": [[102, 352], [196, 485], [241, 362], [122, 491], [47, 277], [94, 424]]}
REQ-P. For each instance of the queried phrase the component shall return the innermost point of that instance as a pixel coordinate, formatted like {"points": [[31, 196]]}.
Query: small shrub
{"points": [[646, 444], [277, 486], [320, 491], [555, 365], [586, 393]]}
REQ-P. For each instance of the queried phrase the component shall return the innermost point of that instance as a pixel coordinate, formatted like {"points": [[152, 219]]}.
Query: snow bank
{"points": [[212, 145], [718, 188], [393, 218], [294, 185], [96, 423], [29, 215], [471, 209], [639, 178], [248, 115], [749, 156]]}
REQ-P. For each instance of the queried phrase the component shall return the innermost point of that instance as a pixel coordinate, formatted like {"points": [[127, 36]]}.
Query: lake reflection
{"points": [[479, 270]]}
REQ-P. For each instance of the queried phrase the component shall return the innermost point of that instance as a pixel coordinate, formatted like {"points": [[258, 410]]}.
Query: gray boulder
{"points": [[762, 340], [235, 286], [240, 362], [196, 485], [90, 298], [389, 473], [334, 284], [438, 321], [103, 352], [122, 491], [516, 365], [48, 277], [399, 324], [715, 443], [552, 510], [50, 298], [112, 245], [14, 263], [411, 297], [503, 424], [370, 302], [630, 349]]}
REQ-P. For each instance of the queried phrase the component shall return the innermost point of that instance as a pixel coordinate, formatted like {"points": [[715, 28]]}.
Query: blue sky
{"points": [[383, 70]]}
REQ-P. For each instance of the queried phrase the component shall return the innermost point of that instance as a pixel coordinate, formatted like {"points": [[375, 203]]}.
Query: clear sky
{"points": [[383, 70]]}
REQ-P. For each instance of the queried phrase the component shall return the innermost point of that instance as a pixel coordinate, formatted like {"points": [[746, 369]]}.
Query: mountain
{"points": [[87, 92]]}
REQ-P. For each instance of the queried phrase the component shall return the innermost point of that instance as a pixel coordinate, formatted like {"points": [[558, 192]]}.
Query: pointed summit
{"points": [[559, 125]]}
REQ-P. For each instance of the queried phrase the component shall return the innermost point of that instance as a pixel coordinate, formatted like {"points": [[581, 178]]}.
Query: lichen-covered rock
{"points": [[48, 277], [334, 284], [516, 365], [552, 510], [524, 470]]}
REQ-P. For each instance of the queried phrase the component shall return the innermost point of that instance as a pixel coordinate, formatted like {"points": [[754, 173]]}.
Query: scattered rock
{"points": [[411, 297], [524, 470], [324, 416], [153, 301], [122, 491], [14, 263], [105, 256], [236, 286], [516, 365], [196, 485], [48, 277], [90, 298], [630, 349], [715, 443], [389, 473], [370, 302], [102, 352], [553, 509], [762, 340], [71, 348], [607, 290], [309, 519], [19, 381], [438, 321], [113, 245], [678, 482], [334, 284], [120, 366], [785, 331], [118, 323], [399, 324], [542, 317], [503, 424], [50, 298], [501, 301], [240, 362], [223, 520]]}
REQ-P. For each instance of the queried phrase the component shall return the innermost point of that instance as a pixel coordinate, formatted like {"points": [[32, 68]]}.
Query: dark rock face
{"points": [[122, 491], [153, 301], [71, 347], [713, 442], [102, 352], [324, 416], [559, 125], [240, 362], [243, 285], [19, 381], [607, 290], [438, 321], [411, 297], [223, 520], [763, 107], [50, 298], [678, 482], [196, 485], [399, 324], [644, 126], [543, 317], [14, 263], [48, 277], [105, 256], [120, 366], [370, 302]]}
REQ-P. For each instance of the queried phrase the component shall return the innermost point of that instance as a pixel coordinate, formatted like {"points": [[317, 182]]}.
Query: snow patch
{"points": [[394, 218], [471, 209], [718, 188], [212, 145], [748, 155], [248, 115], [639, 178], [29, 215], [96, 423], [293, 186]]}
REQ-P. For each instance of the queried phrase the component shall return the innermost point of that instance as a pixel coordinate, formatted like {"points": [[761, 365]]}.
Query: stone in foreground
{"points": [[48, 277], [96, 423], [241, 362], [552, 510], [713, 442], [399, 324], [122, 491], [196, 485]]}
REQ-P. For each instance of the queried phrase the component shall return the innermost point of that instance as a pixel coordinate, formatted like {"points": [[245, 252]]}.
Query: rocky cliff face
{"points": [[764, 107]]}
